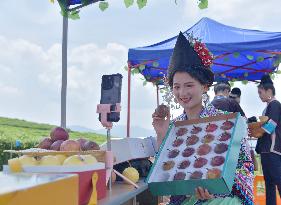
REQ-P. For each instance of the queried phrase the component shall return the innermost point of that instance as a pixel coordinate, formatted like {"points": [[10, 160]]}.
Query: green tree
{"points": [[73, 13]]}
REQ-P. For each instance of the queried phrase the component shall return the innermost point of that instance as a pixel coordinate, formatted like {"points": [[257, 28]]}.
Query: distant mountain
{"points": [[117, 131], [79, 128], [121, 131]]}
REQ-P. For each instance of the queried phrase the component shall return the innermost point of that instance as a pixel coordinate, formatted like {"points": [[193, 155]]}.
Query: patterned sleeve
{"points": [[243, 182], [177, 199]]}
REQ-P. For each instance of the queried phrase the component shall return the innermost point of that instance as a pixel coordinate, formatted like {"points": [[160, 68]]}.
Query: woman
{"points": [[190, 77], [269, 145]]}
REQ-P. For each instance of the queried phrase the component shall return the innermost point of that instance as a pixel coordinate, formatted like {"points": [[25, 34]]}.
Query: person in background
{"points": [[269, 145], [222, 101], [190, 76], [235, 94]]}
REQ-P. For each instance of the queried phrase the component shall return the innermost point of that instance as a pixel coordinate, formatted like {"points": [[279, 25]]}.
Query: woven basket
{"points": [[263, 119], [255, 129]]}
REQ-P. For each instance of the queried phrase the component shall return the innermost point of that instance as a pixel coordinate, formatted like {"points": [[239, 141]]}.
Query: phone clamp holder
{"points": [[104, 110]]}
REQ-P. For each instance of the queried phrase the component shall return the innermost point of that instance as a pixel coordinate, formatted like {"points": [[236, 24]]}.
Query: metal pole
{"points": [[108, 140], [129, 100], [157, 90], [109, 149], [64, 71]]}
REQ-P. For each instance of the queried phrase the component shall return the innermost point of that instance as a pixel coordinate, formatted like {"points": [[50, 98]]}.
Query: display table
{"points": [[29, 189], [43, 189], [122, 193]]}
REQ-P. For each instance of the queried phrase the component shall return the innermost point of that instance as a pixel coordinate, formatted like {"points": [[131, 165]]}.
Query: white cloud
{"points": [[6, 90], [32, 75], [4, 69]]}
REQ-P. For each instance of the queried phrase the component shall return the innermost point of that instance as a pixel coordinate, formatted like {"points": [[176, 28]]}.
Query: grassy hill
{"points": [[29, 134]]}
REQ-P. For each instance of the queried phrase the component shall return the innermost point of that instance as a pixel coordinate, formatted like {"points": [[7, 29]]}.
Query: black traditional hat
{"points": [[193, 57], [265, 79]]}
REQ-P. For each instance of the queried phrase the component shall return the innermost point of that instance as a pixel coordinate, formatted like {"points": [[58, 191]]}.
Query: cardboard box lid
{"points": [[132, 148]]}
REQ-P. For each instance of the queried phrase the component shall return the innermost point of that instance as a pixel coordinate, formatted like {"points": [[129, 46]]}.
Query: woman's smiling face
{"points": [[187, 90]]}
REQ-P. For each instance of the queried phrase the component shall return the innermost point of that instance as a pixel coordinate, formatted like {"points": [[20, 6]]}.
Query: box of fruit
{"points": [[202, 152], [83, 163]]}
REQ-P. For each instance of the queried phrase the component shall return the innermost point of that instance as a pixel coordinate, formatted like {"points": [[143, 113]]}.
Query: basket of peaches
{"points": [[255, 128]]}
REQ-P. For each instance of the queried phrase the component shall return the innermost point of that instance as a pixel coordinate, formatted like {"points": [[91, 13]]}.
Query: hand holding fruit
{"points": [[162, 111], [203, 194], [161, 120]]}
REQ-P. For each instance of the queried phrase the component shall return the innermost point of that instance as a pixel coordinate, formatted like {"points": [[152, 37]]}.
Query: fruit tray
{"points": [[201, 152], [99, 154]]}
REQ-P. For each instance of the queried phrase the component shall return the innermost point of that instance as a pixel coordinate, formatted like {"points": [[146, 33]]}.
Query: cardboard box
{"points": [[132, 148], [43, 189], [162, 182]]}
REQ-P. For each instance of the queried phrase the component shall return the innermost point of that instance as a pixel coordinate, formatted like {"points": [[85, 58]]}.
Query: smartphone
{"points": [[111, 94]]}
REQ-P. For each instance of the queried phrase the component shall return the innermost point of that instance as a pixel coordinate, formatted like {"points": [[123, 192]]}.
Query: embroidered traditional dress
{"points": [[243, 182]]}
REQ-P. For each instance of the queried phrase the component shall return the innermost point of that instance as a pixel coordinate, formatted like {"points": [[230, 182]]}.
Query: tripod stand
{"points": [[104, 110]]}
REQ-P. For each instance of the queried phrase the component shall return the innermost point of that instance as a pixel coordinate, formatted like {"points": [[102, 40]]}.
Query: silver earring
{"points": [[205, 99]]}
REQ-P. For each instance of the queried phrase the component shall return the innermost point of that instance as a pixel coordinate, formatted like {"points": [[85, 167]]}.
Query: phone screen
{"points": [[111, 94]]}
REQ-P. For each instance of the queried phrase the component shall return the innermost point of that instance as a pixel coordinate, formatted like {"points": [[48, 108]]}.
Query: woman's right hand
{"points": [[203, 194], [160, 126]]}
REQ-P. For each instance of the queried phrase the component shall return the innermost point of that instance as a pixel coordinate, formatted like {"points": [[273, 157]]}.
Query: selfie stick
{"points": [[103, 110]]}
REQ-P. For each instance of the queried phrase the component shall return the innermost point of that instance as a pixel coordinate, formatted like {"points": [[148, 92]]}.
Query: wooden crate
{"points": [[98, 154]]}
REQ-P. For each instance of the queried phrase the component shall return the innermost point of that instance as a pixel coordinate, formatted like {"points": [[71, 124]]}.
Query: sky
{"points": [[98, 43]]}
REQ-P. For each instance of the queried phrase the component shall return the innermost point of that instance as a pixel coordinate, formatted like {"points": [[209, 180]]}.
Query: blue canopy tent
{"points": [[240, 54]]}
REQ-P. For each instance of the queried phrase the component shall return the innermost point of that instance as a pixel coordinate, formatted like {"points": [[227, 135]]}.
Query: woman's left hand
{"points": [[203, 194]]}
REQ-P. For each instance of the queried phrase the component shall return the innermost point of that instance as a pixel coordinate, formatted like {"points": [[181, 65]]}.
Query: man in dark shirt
{"points": [[269, 145], [221, 100]]}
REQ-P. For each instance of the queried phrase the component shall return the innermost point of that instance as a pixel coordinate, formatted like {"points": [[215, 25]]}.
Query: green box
{"points": [[161, 183]]}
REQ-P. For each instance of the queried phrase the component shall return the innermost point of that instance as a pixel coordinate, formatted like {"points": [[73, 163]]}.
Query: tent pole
{"points": [[129, 100], [157, 92], [64, 71]]}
